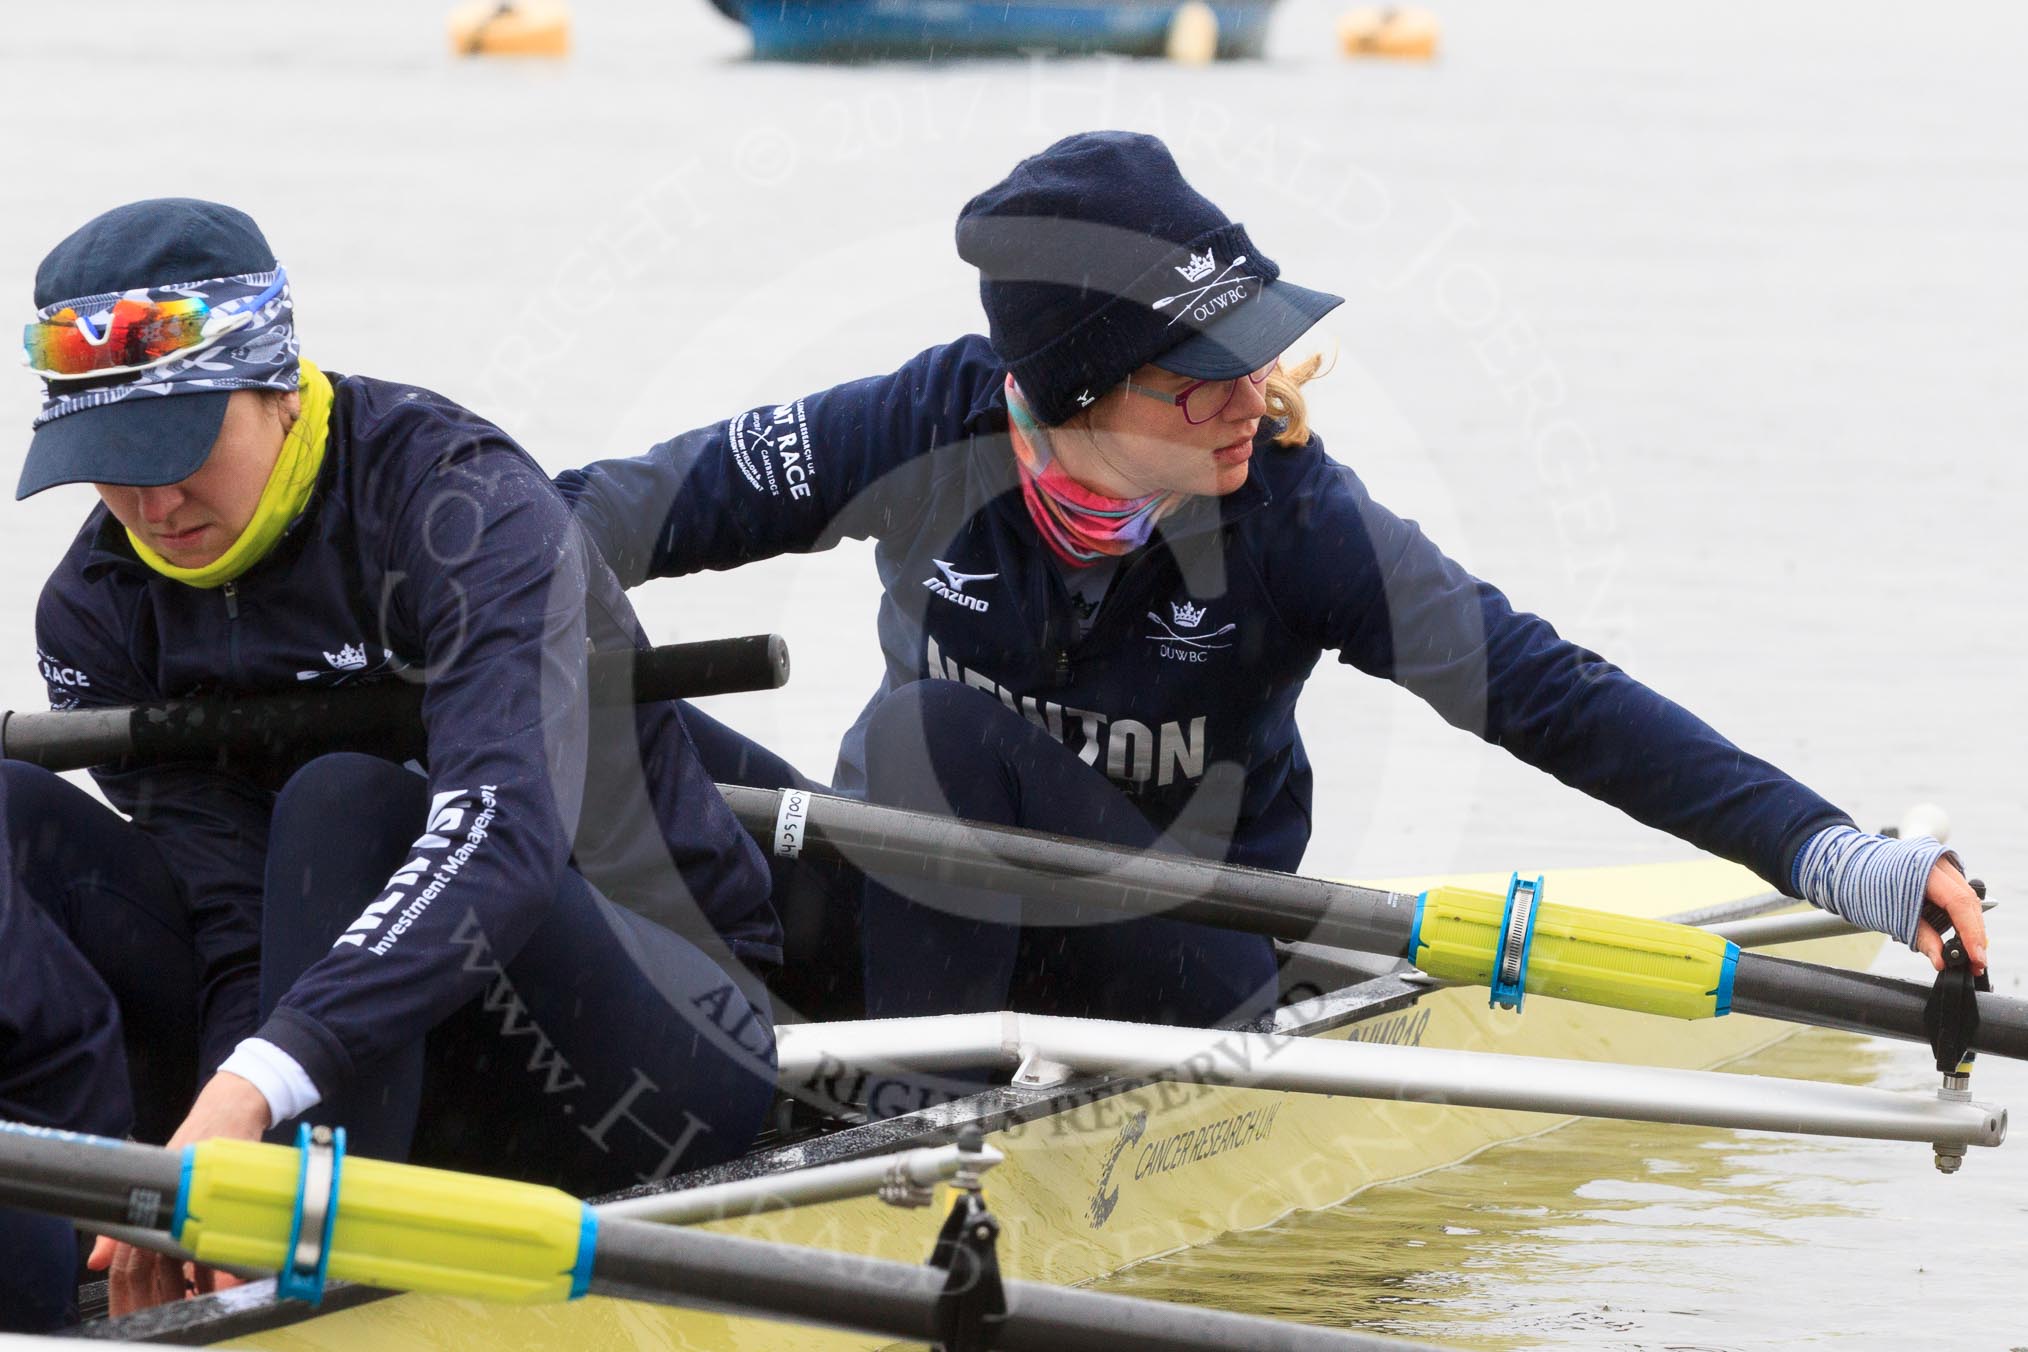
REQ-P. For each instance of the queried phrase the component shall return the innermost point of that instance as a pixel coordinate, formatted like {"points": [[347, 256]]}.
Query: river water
{"points": [[1698, 328]]}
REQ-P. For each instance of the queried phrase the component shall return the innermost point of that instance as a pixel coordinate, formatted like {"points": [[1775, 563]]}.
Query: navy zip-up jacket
{"points": [[1204, 638], [432, 545]]}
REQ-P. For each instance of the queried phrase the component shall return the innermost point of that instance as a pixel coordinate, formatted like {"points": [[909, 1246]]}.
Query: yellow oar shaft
{"points": [[405, 1227]]}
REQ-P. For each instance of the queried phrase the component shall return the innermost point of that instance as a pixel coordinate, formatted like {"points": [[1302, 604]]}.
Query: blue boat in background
{"points": [[873, 30]]}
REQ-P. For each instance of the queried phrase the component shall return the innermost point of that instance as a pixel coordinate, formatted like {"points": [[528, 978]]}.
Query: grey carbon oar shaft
{"points": [[88, 1178], [638, 1260], [1109, 878], [1120, 881]]}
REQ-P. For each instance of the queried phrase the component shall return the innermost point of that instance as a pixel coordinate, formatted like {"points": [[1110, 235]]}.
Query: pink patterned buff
{"points": [[1080, 526]]}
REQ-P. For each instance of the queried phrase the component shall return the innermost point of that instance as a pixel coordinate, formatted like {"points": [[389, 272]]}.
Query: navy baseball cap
{"points": [[1096, 258], [142, 442]]}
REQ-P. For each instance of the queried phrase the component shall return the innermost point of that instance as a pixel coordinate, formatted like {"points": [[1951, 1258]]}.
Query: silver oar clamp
{"points": [[1517, 937], [899, 1187], [308, 1254]]}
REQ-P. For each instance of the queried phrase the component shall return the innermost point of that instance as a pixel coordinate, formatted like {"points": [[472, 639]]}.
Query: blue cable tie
{"points": [[1506, 994], [183, 1193], [587, 1249], [1722, 993]]}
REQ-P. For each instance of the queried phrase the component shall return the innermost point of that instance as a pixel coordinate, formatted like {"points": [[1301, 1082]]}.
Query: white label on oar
{"points": [[790, 821]]}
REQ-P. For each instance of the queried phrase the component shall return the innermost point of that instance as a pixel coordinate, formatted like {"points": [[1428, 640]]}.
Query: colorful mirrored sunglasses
{"points": [[135, 333]]}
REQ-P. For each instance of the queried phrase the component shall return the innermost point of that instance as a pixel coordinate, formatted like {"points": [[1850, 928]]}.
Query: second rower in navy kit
{"points": [[1111, 551]]}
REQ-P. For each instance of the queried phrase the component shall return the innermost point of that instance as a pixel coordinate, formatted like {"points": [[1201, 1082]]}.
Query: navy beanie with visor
{"points": [[121, 429], [1095, 258]]}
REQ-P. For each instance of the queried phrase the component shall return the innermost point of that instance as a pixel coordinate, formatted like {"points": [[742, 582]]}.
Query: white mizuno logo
{"points": [[952, 586], [958, 579], [1199, 267]]}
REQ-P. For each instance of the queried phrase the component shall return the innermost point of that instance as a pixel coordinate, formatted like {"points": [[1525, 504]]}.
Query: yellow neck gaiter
{"points": [[288, 489]]}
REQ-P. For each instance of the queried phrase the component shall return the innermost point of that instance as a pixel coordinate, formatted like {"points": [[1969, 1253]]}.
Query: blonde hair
{"points": [[1285, 402]]}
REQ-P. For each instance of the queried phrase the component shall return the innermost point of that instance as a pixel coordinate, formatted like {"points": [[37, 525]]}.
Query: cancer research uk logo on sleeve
{"points": [[64, 682], [771, 447]]}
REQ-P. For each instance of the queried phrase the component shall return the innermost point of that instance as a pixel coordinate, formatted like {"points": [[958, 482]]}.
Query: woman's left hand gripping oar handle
{"points": [[382, 716]]}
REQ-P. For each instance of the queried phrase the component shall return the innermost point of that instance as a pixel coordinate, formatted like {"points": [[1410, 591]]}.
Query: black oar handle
{"points": [[1859, 1002], [382, 716]]}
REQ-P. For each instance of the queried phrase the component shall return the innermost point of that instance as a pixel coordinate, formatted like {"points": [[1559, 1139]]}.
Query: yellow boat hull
{"points": [[1108, 1183]]}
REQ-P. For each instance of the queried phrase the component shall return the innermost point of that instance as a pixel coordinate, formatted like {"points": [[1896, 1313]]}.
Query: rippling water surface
{"points": [[1624, 1235], [1699, 328]]}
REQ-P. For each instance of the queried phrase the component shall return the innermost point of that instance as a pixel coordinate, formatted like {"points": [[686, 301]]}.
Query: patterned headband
{"points": [[228, 333]]}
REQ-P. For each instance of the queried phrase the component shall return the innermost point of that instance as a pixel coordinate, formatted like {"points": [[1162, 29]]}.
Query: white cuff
{"points": [[282, 1082]]}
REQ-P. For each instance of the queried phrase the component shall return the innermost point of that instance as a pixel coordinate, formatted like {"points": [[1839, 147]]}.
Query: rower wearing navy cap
{"points": [[1112, 550], [527, 959]]}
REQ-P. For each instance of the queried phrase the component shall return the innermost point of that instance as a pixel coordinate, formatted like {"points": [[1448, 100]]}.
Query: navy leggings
{"points": [[605, 1052], [939, 746], [98, 1004]]}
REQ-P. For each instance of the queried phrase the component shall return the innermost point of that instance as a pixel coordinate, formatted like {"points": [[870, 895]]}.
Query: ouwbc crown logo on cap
{"points": [[1216, 291]]}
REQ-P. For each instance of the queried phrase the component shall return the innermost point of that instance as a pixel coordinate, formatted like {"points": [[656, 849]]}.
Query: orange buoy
{"points": [[510, 28], [1406, 34], [1193, 34]]}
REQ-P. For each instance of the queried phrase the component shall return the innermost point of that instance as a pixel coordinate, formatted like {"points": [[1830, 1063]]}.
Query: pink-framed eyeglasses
{"points": [[1203, 400]]}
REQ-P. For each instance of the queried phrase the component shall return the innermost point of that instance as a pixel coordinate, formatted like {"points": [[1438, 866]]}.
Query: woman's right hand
{"points": [[1948, 891], [139, 1279]]}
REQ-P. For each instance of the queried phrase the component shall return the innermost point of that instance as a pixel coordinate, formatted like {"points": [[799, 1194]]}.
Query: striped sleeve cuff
{"points": [[1875, 882]]}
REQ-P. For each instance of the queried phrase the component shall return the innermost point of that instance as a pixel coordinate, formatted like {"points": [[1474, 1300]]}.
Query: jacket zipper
{"points": [[231, 593], [1110, 602], [1063, 624]]}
